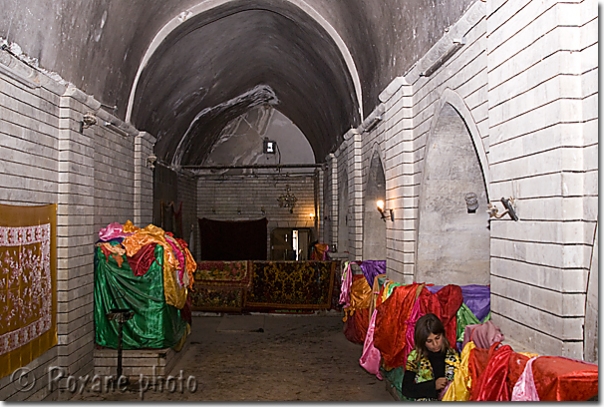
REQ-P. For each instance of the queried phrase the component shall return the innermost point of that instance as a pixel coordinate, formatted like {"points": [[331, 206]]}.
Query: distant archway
{"points": [[453, 241], [374, 228]]}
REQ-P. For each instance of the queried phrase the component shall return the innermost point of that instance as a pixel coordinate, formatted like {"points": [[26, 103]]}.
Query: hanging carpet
{"points": [[291, 285], [28, 295], [220, 286]]}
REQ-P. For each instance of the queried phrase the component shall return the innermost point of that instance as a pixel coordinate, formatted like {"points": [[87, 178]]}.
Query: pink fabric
{"points": [[413, 317], [346, 286], [179, 256], [112, 231], [524, 389], [483, 335], [371, 357]]}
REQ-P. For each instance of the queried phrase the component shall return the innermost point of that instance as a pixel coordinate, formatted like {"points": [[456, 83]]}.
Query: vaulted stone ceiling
{"points": [[182, 69]]}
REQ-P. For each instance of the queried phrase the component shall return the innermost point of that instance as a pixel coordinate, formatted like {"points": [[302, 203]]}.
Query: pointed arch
{"points": [[450, 97]]}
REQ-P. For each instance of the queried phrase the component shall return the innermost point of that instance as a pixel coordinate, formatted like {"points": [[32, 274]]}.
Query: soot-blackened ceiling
{"points": [[217, 65], [323, 63]]}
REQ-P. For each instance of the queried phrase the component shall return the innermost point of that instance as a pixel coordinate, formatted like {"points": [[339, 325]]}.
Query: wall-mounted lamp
{"points": [[509, 209], [269, 146], [471, 202], [151, 161], [87, 120], [382, 211]]}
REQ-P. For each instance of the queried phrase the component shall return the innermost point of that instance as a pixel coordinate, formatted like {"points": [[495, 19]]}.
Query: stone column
{"points": [[75, 238]]}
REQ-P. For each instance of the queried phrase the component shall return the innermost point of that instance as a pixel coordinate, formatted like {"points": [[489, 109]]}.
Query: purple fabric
{"points": [[372, 268], [476, 297]]}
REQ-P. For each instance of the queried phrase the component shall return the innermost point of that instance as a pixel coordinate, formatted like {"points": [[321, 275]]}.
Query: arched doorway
{"points": [[374, 228], [453, 241]]}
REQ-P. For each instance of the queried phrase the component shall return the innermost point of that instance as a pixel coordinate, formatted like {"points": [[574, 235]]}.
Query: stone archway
{"points": [[453, 242], [374, 228]]}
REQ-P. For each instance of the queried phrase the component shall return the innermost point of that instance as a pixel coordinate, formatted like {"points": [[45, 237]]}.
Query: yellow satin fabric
{"points": [[360, 297], [459, 390], [175, 294]]}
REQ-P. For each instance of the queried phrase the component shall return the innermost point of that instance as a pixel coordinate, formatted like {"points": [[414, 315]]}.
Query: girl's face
{"points": [[434, 343]]}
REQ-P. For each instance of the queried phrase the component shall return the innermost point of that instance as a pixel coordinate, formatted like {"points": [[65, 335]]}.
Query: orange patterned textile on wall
{"points": [[28, 321]]}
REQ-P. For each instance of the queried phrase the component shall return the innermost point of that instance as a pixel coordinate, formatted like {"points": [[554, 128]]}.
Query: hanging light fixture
{"points": [[287, 200]]}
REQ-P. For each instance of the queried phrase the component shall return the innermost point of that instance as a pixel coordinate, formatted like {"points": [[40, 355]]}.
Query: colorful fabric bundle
{"points": [[155, 323], [356, 314], [148, 272]]}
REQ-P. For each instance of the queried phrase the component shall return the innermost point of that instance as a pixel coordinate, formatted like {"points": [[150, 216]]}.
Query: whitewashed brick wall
{"points": [[411, 103], [542, 72], [525, 84], [114, 177], [143, 179], [46, 158], [222, 197], [29, 173]]}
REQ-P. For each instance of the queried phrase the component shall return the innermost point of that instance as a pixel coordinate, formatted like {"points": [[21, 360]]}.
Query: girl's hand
{"points": [[440, 383]]}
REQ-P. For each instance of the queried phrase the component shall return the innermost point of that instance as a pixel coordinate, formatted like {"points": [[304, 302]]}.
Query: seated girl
{"points": [[431, 364]]}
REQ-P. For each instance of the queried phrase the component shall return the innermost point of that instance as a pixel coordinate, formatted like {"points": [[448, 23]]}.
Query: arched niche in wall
{"points": [[590, 329], [343, 212], [374, 228], [453, 242]]}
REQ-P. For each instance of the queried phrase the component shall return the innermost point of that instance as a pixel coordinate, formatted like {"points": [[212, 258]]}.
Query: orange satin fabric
{"points": [[360, 296], [390, 326], [175, 294], [477, 363]]}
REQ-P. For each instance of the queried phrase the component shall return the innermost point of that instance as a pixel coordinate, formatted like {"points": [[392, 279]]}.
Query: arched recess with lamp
{"points": [[453, 241], [374, 225]]}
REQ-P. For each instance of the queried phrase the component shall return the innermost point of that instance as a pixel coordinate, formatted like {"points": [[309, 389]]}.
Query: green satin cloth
{"points": [[467, 317], [155, 324], [395, 379]]}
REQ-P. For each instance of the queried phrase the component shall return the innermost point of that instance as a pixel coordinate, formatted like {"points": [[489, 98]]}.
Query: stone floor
{"points": [[262, 357]]}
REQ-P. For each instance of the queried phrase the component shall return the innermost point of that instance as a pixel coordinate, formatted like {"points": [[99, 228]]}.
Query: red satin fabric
{"points": [[390, 326], [516, 366], [142, 260], [491, 384], [444, 304], [356, 326], [562, 379]]}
